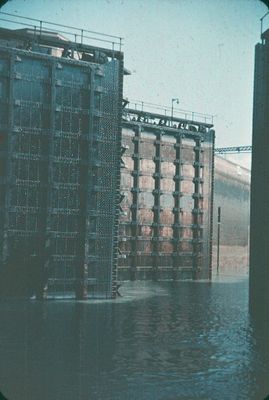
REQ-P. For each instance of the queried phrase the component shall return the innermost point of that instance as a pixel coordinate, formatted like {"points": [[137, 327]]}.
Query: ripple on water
{"points": [[160, 341]]}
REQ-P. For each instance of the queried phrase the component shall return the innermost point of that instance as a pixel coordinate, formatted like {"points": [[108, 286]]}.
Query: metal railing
{"points": [[74, 34], [261, 20], [167, 111]]}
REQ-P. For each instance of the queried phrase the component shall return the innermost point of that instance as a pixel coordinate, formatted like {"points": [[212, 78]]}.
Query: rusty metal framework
{"points": [[167, 180]]}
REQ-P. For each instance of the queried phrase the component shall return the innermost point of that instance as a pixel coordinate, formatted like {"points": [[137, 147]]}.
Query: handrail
{"points": [[140, 105], [261, 19], [58, 31], [44, 25]]}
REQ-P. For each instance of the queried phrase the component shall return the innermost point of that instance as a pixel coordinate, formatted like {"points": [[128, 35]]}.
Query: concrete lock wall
{"points": [[232, 194]]}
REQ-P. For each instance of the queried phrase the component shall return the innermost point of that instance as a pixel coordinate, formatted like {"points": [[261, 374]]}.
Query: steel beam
{"points": [[233, 150]]}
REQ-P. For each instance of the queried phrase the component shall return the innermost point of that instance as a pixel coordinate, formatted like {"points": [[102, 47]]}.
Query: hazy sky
{"points": [[201, 51]]}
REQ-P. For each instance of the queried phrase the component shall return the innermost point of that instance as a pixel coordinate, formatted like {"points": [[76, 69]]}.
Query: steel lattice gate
{"points": [[59, 169]]}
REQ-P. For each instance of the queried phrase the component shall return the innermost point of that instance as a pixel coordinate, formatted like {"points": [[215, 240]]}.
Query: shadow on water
{"points": [[260, 328], [159, 341]]}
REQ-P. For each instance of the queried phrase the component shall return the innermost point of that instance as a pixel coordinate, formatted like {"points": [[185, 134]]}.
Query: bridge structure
{"points": [[233, 150]]}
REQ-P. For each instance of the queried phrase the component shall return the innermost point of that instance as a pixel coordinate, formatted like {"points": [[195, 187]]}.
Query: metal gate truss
{"points": [[165, 224], [60, 135]]}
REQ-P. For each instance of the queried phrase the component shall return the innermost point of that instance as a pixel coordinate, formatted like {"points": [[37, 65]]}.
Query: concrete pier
{"points": [[259, 231]]}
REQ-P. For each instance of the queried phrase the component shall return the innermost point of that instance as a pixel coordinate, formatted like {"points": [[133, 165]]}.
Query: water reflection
{"points": [[160, 341]]}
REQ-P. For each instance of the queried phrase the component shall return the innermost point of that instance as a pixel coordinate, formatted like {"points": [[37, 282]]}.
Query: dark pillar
{"points": [[176, 210], [135, 203], [259, 229], [197, 212], [156, 254]]}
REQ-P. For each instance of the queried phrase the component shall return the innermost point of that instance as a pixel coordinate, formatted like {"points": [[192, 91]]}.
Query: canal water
{"points": [[162, 341]]}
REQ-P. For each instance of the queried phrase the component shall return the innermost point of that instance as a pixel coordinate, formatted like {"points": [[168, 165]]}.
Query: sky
{"points": [[199, 51]]}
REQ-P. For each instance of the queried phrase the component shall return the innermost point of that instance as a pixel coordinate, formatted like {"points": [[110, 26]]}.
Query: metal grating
{"points": [[60, 168]]}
